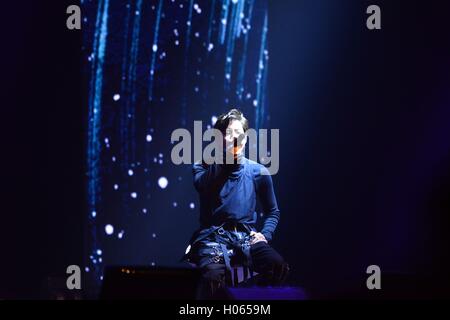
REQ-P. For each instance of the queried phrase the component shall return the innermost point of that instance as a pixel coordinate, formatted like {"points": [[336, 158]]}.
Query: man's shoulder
{"points": [[257, 168]]}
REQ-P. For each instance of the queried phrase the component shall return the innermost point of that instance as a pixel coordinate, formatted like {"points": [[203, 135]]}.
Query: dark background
{"points": [[365, 162]]}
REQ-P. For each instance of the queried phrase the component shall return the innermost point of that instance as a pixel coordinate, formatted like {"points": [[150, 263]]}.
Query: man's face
{"points": [[235, 131]]}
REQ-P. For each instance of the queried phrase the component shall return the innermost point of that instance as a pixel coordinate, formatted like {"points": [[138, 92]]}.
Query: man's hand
{"points": [[257, 237]]}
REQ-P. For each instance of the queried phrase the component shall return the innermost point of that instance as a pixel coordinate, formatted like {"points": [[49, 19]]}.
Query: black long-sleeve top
{"points": [[229, 193]]}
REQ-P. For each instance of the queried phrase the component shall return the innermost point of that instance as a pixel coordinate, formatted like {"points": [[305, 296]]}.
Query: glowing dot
{"points": [[177, 42], [160, 155], [163, 182], [134, 195], [197, 34], [149, 138], [120, 234], [196, 89], [196, 6], [192, 205], [154, 235], [86, 269], [116, 186], [175, 204], [100, 259], [188, 23], [224, 21], [160, 161], [109, 229], [210, 47], [234, 1], [99, 252], [113, 159], [188, 249], [153, 264], [130, 172], [213, 120], [116, 97], [144, 210], [155, 48], [101, 278], [227, 76], [137, 12], [93, 214], [106, 140], [255, 103]]}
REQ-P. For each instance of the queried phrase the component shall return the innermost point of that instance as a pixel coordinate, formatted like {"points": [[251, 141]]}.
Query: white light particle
{"points": [[163, 182], [227, 76], [86, 269], [116, 97], [99, 252], [234, 1], [153, 264], [210, 47], [155, 48], [160, 161], [154, 235], [113, 159], [109, 229], [188, 249], [149, 138], [116, 186], [255, 103], [213, 120], [130, 172], [93, 214], [175, 204], [106, 140], [144, 210], [120, 234], [177, 42], [160, 155], [134, 195], [197, 34], [224, 21], [192, 205]]}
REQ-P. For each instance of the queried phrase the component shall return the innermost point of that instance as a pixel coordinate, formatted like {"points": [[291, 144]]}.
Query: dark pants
{"points": [[266, 261]]}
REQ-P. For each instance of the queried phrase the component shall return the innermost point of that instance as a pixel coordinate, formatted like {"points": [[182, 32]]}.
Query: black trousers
{"points": [[266, 261]]}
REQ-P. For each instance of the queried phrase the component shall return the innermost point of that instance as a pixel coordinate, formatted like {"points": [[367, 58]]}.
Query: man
{"points": [[228, 196]]}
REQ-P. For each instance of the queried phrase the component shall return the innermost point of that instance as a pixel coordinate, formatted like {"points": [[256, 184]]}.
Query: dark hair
{"points": [[224, 120]]}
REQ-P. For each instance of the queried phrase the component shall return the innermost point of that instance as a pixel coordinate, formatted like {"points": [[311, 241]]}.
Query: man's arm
{"points": [[268, 201], [202, 174]]}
